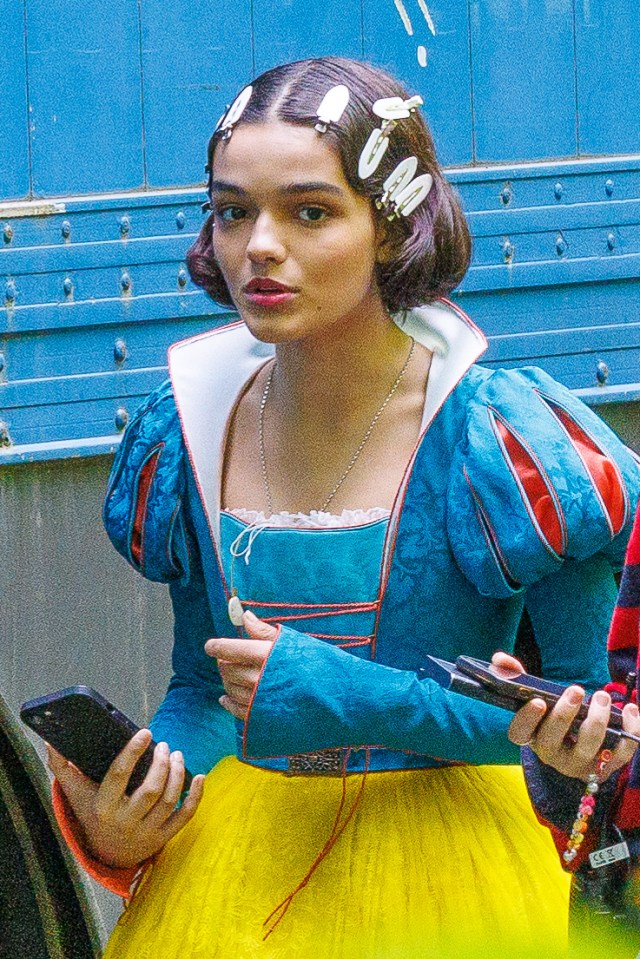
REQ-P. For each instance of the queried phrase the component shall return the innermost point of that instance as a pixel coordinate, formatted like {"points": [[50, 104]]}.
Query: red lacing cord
{"points": [[338, 828]]}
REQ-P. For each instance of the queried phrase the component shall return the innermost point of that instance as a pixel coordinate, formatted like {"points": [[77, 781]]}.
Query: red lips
{"points": [[262, 284]]}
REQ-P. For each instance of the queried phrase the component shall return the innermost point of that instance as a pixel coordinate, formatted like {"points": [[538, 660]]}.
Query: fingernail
{"points": [[601, 698], [575, 695], [250, 616]]}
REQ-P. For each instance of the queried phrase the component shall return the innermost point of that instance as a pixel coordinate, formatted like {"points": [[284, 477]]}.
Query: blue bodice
{"points": [[324, 581]]}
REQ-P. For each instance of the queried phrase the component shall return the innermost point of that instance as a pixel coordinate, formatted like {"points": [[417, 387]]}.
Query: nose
{"points": [[265, 244]]}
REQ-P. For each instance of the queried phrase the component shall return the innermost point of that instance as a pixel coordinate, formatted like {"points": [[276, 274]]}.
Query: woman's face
{"points": [[296, 244]]}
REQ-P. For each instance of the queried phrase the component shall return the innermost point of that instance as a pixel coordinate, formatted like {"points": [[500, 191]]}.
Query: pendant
{"points": [[235, 610]]}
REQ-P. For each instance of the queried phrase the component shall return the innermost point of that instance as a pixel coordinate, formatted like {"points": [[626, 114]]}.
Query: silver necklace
{"points": [[354, 458]]}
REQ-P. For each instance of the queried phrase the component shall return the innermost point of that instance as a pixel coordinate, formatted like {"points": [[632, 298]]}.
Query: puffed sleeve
{"points": [[537, 480], [143, 510]]}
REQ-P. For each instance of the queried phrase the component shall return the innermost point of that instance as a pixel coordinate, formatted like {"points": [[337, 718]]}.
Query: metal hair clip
{"points": [[332, 107], [227, 122]]}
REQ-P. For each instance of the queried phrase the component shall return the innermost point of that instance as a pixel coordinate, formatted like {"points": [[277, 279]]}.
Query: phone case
{"points": [[88, 731]]}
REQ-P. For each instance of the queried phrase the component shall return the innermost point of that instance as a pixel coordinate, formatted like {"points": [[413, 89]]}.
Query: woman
{"points": [[333, 478]]}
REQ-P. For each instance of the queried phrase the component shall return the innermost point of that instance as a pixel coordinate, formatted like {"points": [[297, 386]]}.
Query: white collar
{"points": [[209, 371]]}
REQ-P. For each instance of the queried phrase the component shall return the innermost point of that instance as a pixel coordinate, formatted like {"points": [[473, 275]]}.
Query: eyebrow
{"points": [[222, 186]]}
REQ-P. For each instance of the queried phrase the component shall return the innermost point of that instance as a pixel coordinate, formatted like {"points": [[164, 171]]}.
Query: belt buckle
{"points": [[324, 762]]}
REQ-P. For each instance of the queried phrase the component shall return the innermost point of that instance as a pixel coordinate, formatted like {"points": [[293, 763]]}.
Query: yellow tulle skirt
{"points": [[434, 864]]}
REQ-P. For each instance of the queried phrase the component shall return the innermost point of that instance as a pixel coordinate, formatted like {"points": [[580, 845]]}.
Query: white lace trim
{"points": [[316, 519]]}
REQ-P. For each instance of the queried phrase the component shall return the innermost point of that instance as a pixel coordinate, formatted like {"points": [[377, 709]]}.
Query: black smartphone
{"points": [[480, 680], [87, 730]]}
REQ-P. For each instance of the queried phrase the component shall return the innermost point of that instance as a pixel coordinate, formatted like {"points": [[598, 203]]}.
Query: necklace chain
{"points": [[354, 458]]}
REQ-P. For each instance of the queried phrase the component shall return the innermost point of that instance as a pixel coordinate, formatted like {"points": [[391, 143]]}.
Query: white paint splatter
{"points": [[404, 16], [427, 16], [422, 56]]}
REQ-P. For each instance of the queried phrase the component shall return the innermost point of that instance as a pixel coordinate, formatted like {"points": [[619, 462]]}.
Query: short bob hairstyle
{"points": [[429, 249]]}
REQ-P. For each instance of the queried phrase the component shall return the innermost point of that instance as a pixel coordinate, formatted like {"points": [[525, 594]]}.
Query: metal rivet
{"points": [[67, 286], [125, 281], [609, 187], [65, 229], [561, 245], [121, 418], [506, 194], [1, 362], [558, 190], [7, 233], [508, 250], [611, 240], [602, 372], [182, 277], [5, 439], [119, 351], [125, 225], [180, 220], [10, 291]]}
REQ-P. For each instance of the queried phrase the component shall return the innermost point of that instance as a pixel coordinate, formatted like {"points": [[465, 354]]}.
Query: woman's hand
{"points": [[241, 662], [549, 733], [122, 830]]}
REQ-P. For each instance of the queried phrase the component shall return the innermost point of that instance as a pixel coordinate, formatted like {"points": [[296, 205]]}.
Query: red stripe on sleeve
{"points": [[535, 488], [602, 470], [147, 474]]}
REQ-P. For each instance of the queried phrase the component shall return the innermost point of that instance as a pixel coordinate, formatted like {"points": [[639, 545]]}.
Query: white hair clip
{"points": [[396, 181], [228, 120], [390, 110], [395, 108], [332, 107], [409, 197], [374, 150]]}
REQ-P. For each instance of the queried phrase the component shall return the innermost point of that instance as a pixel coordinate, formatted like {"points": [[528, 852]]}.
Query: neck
{"points": [[328, 378]]}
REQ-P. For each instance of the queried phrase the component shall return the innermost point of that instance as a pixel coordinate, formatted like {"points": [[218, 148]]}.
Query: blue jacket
{"points": [[517, 495]]}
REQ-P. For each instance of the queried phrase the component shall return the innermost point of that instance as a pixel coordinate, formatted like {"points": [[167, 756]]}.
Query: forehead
{"points": [[268, 154]]}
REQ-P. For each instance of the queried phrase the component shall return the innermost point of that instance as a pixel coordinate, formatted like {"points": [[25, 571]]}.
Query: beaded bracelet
{"points": [[586, 808]]}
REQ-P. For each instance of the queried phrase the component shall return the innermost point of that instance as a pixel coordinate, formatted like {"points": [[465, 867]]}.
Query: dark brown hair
{"points": [[430, 248]]}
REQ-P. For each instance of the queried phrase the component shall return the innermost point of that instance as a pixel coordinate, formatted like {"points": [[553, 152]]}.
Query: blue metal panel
{"points": [[296, 29], [194, 61], [607, 57], [14, 150], [523, 80], [403, 35], [85, 101]]}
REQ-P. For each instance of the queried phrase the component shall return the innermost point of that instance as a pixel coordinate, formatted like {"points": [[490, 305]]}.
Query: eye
{"points": [[230, 214], [313, 214]]}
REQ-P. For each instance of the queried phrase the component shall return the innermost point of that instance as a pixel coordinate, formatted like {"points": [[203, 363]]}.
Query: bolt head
{"points": [[558, 190], [182, 277], [180, 220], [125, 225], [7, 233], [611, 240], [65, 229], [602, 372], [121, 418], [609, 187], [119, 350], [125, 281], [10, 291], [67, 286]]}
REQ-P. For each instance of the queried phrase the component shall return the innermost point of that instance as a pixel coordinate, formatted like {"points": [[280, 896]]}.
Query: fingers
{"points": [[180, 817], [77, 787], [167, 800], [238, 675], [257, 628], [507, 663], [239, 650], [114, 784], [152, 788], [551, 735], [526, 721], [240, 712]]}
